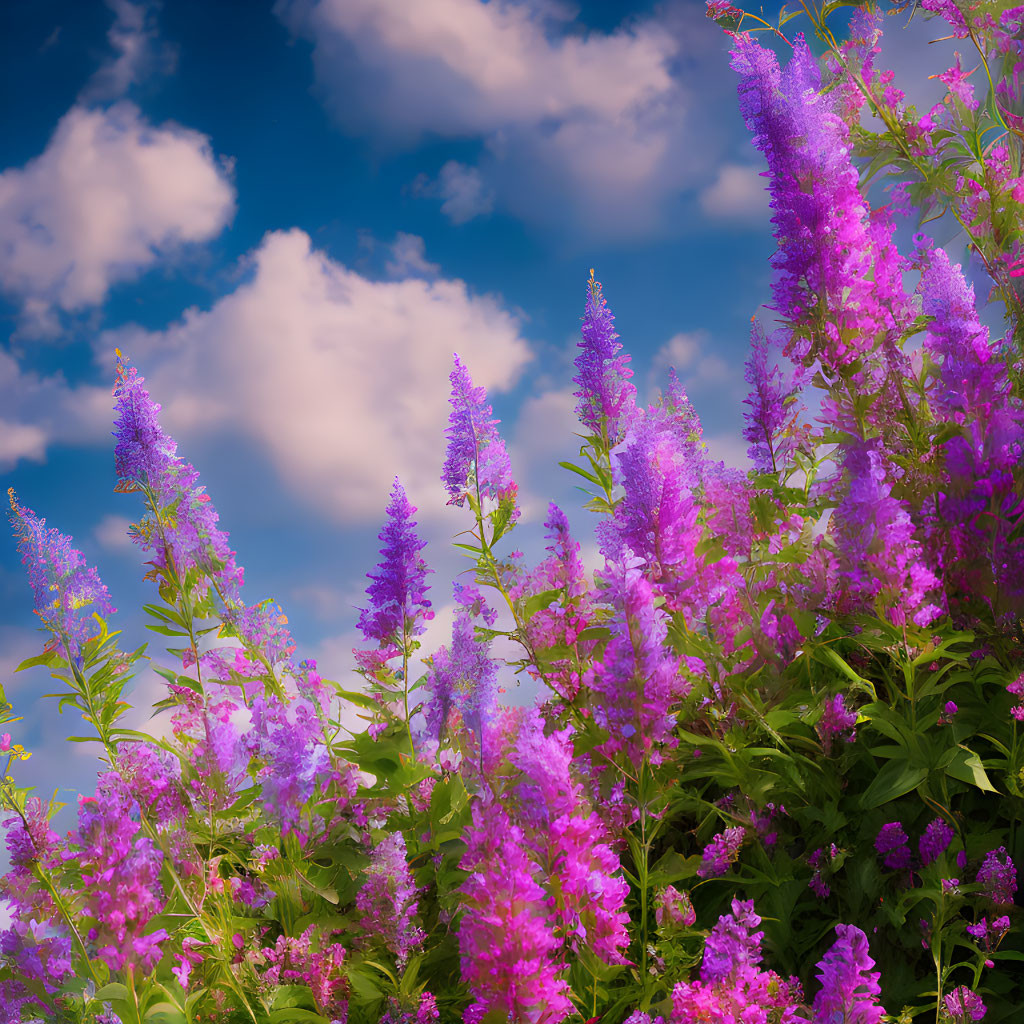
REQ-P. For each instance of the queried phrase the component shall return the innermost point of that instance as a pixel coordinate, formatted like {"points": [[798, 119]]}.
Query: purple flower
{"points": [[121, 877], [998, 877], [721, 853], [891, 844], [963, 1005], [64, 586], [606, 398], [773, 393], [180, 528], [476, 453], [936, 838], [637, 678], [732, 946], [835, 720], [881, 559], [849, 988], [571, 841], [462, 676], [948, 10], [398, 602], [837, 280], [508, 948], [296, 763], [388, 899]]}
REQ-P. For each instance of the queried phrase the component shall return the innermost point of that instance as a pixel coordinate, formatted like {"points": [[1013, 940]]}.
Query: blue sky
{"points": [[290, 218]]}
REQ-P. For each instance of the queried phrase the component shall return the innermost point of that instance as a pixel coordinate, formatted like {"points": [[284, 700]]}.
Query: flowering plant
{"points": [[777, 738]]}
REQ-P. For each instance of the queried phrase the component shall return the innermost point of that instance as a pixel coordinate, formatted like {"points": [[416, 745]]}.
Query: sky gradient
{"points": [[291, 219]]}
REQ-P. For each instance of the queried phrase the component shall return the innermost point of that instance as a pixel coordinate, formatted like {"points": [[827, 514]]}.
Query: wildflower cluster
{"points": [[776, 734]]}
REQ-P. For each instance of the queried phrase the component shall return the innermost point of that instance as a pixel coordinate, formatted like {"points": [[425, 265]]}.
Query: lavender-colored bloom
{"points": [[824, 285], [974, 527], [296, 763], [476, 454], [388, 899], [880, 555], [935, 840], [732, 947], [606, 398], [849, 988], [836, 720], [121, 877], [638, 676], [657, 517], [891, 844], [998, 877], [462, 676], [398, 602], [64, 586], [182, 533], [770, 421], [964, 1005], [721, 853]]}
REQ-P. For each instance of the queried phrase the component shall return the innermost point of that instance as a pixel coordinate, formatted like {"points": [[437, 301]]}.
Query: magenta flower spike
{"points": [[849, 988], [66, 589]]}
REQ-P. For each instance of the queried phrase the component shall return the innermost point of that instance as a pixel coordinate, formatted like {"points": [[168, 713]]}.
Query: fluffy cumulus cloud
{"points": [[41, 409], [341, 379], [737, 194], [109, 196], [588, 124]]}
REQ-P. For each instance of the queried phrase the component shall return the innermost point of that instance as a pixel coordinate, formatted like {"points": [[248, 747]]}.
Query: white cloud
{"points": [[738, 193], [698, 368], [21, 441], [108, 197], [408, 257], [138, 51], [594, 126], [112, 533], [39, 410], [341, 379], [462, 190]]}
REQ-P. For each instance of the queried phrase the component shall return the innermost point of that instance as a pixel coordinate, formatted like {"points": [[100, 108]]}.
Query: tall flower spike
{"points": [[824, 283], [771, 419], [849, 988], [65, 587], [463, 676], [605, 395], [507, 945], [397, 593], [476, 454], [185, 531], [388, 899]]}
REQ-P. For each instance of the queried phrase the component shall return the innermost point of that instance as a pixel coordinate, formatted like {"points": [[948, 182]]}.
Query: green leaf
{"points": [[165, 1013], [112, 991], [894, 780], [966, 766], [46, 658]]}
